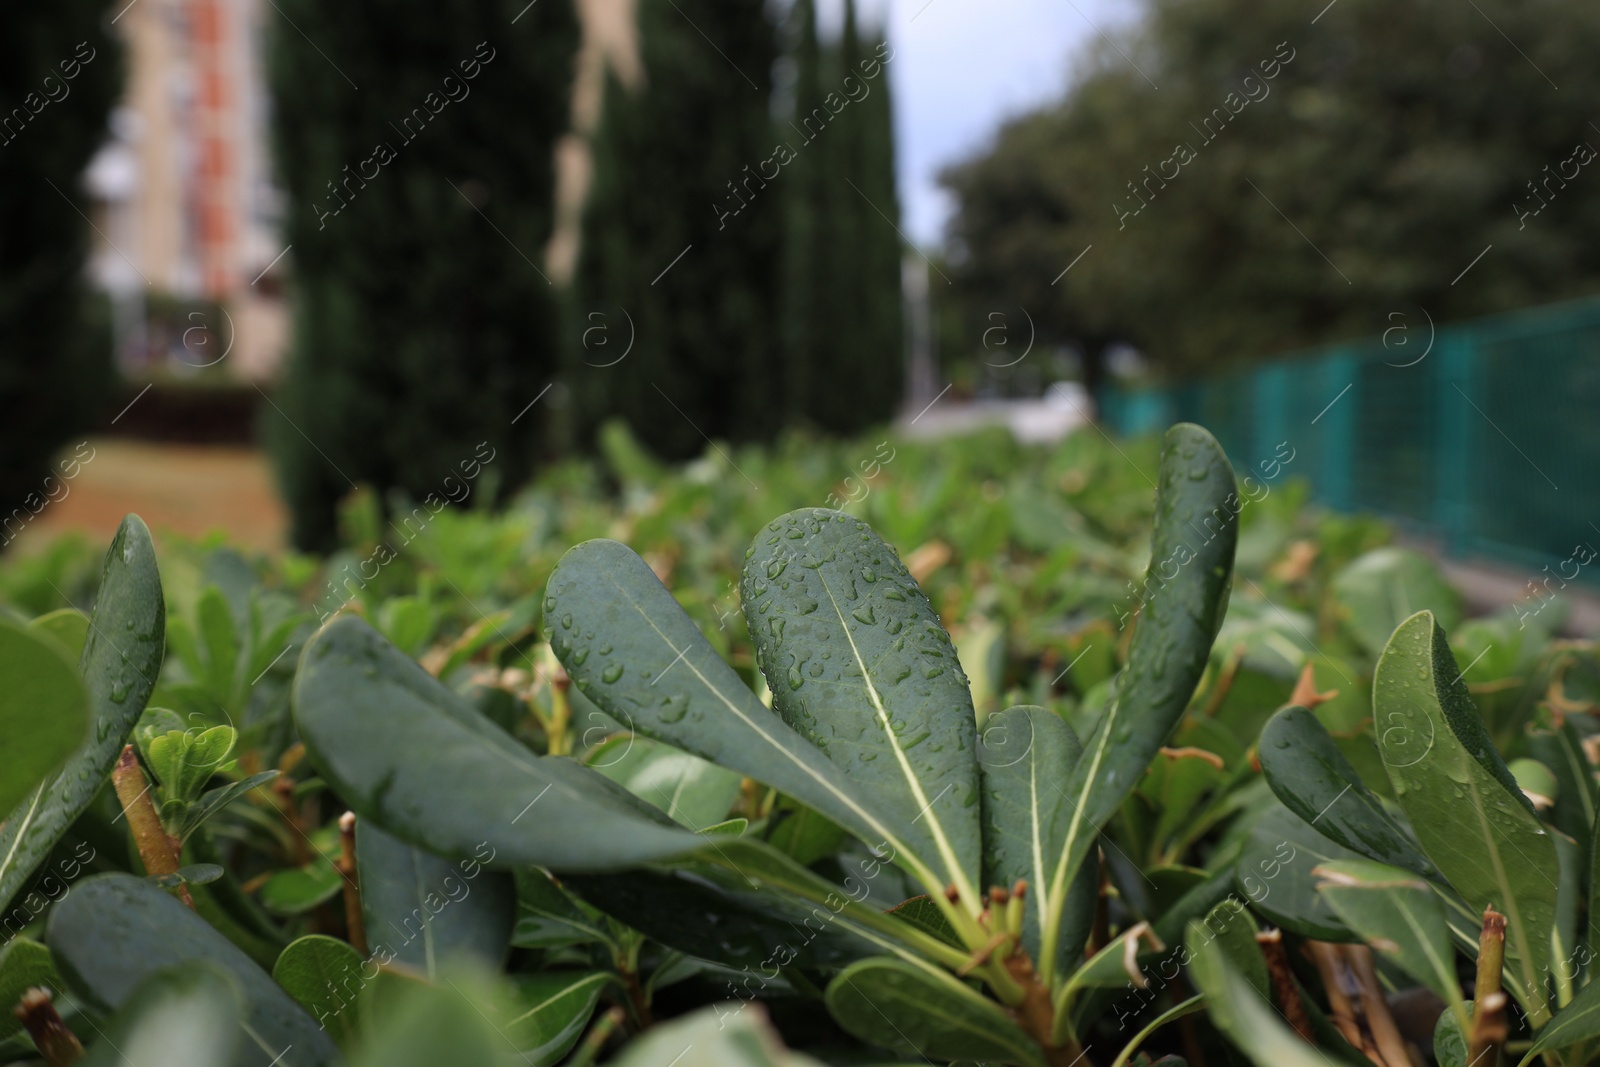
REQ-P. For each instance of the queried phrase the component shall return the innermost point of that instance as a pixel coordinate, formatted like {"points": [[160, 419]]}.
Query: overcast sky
{"points": [[961, 67]]}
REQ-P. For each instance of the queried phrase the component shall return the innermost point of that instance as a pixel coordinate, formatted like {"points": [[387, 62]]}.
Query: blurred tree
{"points": [[60, 73], [877, 240], [681, 235], [841, 296], [1292, 183], [804, 270], [855, 328], [415, 143]]}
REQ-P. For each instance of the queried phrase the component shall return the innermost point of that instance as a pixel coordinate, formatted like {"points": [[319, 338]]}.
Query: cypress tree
{"points": [[804, 290], [60, 72], [415, 144], [883, 328], [841, 294], [681, 232]]}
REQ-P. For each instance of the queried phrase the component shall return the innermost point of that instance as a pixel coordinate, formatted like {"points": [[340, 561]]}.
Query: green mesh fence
{"points": [[1490, 442]]}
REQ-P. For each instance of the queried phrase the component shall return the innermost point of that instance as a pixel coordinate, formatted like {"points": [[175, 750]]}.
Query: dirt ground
{"points": [[184, 489]]}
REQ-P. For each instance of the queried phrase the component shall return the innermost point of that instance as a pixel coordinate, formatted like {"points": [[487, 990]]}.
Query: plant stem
{"points": [[1337, 984], [354, 921], [57, 1045], [597, 1037], [1489, 1026], [627, 961], [1036, 1012], [159, 851], [1385, 1034], [1283, 987]]}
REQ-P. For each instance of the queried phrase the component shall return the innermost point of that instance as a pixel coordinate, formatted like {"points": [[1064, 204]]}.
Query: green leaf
{"points": [[1177, 1011], [193, 874], [1275, 874], [802, 832], [549, 1011], [693, 791], [1191, 560], [662, 679], [67, 625], [1449, 1039], [1240, 1011], [215, 800], [422, 910], [1578, 1021], [44, 711], [114, 931], [858, 663], [1024, 753], [1379, 590], [1311, 776], [925, 915], [721, 1036], [1468, 814], [1107, 969], [415, 759], [23, 965], [180, 1017], [1398, 915], [324, 976], [221, 641], [119, 665], [185, 760], [925, 1012], [740, 902], [1535, 780], [297, 890], [416, 1024], [548, 917]]}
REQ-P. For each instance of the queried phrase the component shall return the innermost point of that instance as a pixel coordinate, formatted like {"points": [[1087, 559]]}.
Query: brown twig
{"points": [[1338, 983], [355, 923], [57, 1045], [1380, 1023], [1489, 1026], [1284, 990], [159, 851], [1100, 931]]}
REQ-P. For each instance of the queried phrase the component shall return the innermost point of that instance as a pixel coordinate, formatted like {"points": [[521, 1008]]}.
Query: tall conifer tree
{"points": [[60, 72], [415, 143], [681, 235]]}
